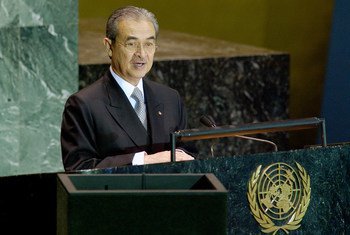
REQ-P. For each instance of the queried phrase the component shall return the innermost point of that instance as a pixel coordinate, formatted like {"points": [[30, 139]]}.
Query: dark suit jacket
{"points": [[101, 129]]}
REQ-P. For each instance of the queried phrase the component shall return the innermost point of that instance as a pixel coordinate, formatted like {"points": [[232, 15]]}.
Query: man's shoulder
{"points": [[97, 88], [159, 87]]}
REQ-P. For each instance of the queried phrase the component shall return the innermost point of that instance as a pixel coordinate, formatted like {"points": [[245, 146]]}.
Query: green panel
{"points": [[9, 101], [47, 79], [39, 70], [47, 12], [8, 14]]}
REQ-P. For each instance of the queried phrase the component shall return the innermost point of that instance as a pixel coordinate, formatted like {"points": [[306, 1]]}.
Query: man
{"points": [[122, 118]]}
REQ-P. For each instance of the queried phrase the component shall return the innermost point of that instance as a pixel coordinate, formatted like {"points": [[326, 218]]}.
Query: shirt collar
{"points": [[127, 87]]}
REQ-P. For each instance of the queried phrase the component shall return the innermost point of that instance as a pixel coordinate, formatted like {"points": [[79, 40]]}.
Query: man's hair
{"points": [[128, 12]]}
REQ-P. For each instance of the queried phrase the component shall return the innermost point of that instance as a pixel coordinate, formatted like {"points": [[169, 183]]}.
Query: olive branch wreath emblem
{"points": [[267, 225]]}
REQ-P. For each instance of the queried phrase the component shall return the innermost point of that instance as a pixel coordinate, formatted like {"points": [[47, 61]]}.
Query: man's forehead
{"points": [[136, 26]]}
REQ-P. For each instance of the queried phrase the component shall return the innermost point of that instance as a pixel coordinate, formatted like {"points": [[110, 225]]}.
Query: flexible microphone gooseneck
{"points": [[208, 121]]}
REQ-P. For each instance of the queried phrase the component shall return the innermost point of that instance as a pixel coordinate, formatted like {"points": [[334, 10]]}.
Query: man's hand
{"points": [[164, 156]]}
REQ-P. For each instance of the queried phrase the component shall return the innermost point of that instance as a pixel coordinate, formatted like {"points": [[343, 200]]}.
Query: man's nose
{"points": [[140, 50]]}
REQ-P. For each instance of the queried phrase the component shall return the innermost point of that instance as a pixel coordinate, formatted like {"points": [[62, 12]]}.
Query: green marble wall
{"points": [[38, 70]]}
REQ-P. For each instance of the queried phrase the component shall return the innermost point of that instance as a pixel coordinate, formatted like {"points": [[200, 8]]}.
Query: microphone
{"points": [[208, 121]]}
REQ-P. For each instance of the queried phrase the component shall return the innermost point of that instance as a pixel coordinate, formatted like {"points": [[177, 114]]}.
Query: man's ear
{"points": [[108, 45]]}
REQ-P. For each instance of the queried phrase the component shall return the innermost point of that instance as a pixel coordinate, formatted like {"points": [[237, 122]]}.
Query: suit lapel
{"points": [[123, 113], [155, 112]]}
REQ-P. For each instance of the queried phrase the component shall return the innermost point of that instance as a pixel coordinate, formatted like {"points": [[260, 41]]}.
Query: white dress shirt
{"points": [[128, 88]]}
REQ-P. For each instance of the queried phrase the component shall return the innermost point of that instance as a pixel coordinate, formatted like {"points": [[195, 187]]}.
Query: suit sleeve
{"points": [[78, 141]]}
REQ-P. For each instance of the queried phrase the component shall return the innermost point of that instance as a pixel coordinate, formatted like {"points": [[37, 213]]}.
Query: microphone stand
{"points": [[208, 121]]}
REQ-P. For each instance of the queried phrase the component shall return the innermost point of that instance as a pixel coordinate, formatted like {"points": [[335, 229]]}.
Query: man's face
{"points": [[133, 50]]}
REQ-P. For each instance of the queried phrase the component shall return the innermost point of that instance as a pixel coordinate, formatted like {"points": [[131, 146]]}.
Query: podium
{"points": [[328, 168], [141, 204], [32, 201]]}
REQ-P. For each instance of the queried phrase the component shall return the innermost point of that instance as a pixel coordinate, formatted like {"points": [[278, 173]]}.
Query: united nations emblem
{"points": [[279, 196]]}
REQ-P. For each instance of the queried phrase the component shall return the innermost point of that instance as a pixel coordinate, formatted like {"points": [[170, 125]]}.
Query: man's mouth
{"points": [[139, 64]]}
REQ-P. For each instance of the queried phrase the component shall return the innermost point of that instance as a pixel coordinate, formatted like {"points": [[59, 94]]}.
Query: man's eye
{"points": [[130, 44], [149, 44]]}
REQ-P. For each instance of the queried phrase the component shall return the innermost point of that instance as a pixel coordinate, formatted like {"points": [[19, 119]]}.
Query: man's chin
{"points": [[139, 74]]}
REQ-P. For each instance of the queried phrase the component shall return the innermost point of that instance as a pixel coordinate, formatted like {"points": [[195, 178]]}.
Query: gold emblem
{"points": [[279, 197]]}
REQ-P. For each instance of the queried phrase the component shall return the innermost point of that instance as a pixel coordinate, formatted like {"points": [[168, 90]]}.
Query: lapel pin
{"points": [[159, 113]]}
